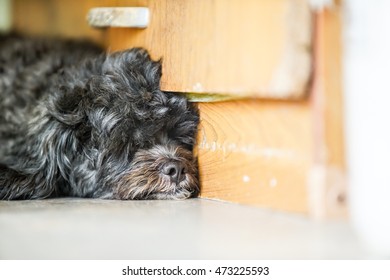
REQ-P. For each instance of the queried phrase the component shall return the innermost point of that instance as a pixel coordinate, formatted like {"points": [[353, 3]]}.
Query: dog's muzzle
{"points": [[162, 172]]}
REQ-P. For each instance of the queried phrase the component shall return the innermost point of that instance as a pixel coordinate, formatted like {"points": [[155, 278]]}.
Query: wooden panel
{"points": [[256, 153], [236, 137], [327, 184], [244, 48]]}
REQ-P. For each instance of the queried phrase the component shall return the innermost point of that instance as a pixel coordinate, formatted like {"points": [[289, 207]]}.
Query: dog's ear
{"points": [[153, 72], [157, 70], [143, 61], [135, 64], [140, 59], [66, 106], [69, 108]]}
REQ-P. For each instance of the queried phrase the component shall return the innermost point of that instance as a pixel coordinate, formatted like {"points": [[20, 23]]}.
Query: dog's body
{"points": [[76, 122]]}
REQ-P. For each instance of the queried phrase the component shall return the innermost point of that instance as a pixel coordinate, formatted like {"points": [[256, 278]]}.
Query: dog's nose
{"points": [[175, 170]]}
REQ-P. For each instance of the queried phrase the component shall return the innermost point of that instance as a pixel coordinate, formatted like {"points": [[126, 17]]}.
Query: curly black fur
{"points": [[77, 122]]}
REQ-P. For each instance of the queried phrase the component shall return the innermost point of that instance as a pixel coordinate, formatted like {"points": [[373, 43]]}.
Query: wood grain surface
{"points": [[244, 48], [256, 152], [327, 180]]}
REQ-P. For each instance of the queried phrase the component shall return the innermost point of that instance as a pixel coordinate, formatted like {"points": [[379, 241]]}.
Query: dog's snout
{"points": [[175, 170]]}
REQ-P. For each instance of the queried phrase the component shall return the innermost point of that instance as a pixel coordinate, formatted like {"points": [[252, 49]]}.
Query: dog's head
{"points": [[134, 141]]}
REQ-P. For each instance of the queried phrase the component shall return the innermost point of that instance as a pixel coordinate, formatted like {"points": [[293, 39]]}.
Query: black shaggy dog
{"points": [[77, 122]]}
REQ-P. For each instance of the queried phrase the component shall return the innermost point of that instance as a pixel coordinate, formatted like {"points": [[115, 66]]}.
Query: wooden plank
{"points": [[327, 184], [256, 153], [244, 48]]}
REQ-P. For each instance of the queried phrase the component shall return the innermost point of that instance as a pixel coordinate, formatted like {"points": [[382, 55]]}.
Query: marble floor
{"points": [[192, 229]]}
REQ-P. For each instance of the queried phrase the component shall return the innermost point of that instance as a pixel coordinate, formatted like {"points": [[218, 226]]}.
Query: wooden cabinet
{"points": [[278, 142]]}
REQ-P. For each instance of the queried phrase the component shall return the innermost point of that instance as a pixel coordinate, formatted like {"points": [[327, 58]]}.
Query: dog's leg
{"points": [[15, 185]]}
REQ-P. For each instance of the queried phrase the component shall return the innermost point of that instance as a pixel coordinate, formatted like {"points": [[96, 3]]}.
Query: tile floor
{"points": [[192, 229]]}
